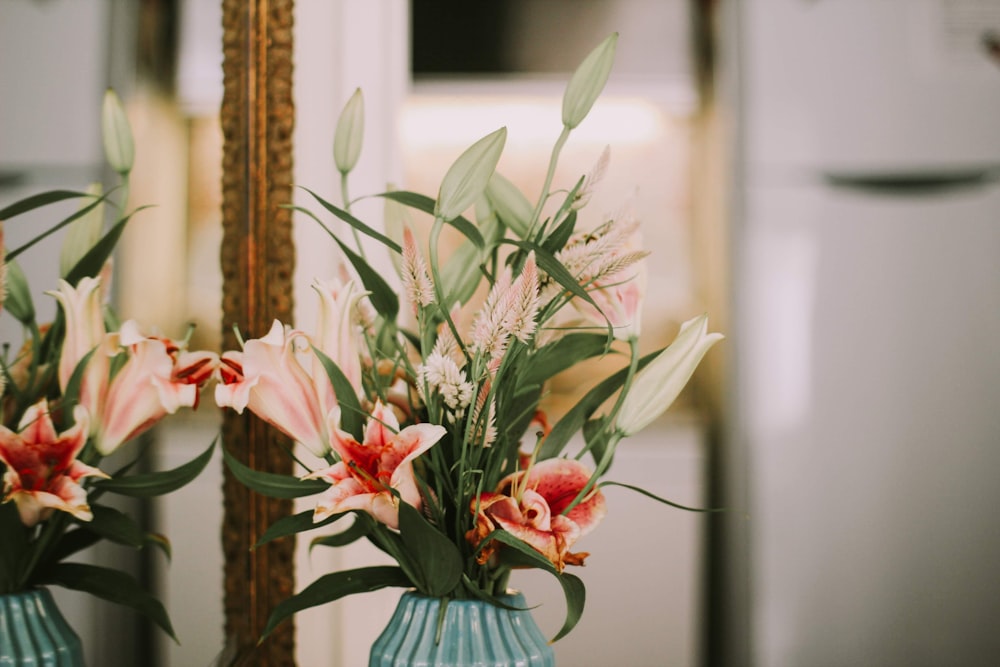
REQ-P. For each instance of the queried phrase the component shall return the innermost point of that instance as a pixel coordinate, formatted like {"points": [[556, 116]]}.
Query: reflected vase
{"points": [[34, 632], [471, 632]]}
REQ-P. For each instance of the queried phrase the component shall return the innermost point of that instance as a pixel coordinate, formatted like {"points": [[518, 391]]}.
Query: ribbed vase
{"points": [[33, 632], [472, 634]]}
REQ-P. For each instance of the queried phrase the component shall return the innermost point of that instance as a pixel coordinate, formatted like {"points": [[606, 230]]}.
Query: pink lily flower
{"points": [[336, 336], [81, 306], [267, 378], [620, 303], [368, 473], [530, 506], [157, 379], [42, 471]]}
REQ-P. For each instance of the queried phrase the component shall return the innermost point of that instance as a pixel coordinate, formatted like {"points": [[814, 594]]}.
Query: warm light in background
{"points": [[435, 119]]}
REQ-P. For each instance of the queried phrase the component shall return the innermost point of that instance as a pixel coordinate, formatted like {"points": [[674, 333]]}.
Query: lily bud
{"points": [[466, 180], [83, 234], [658, 384], [349, 134], [17, 300], [118, 146], [510, 204], [587, 82]]}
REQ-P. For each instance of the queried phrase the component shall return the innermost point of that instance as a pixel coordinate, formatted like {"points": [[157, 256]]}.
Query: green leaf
{"points": [[426, 204], [158, 483], [556, 270], [463, 271], [161, 542], [574, 420], [18, 301], [511, 205], [114, 525], [555, 241], [37, 201], [524, 556], [112, 585], [355, 223], [52, 230], [292, 525], [71, 542], [272, 484], [360, 528], [436, 557], [662, 500], [13, 545], [352, 417], [562, 354], [92, 263], [82, 235], [334, 586]]}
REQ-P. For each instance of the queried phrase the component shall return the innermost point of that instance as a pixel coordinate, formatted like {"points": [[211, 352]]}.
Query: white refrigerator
{"points": [[866, 396]]}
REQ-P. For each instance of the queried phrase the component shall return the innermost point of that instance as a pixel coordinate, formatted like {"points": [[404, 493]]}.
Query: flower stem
{"points": [[347, 207], [543, 197]]}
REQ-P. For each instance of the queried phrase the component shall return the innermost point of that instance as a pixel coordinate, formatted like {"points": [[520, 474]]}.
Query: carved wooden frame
{"points": [[257, 259]]}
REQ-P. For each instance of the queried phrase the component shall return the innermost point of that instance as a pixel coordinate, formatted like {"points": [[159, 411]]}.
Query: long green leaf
{"points": [[114, 525], [271, 484], [158, 483], [662, 500], [39, 200], [360, 528], [357, 224], [334, 586], [436, 556], [426, 204], [562, 354], [92, 263], [71, 542], [574, 420], [291, 525], [524, 556], [112, 585], [13, 545], [52, 230], [352, 417]]}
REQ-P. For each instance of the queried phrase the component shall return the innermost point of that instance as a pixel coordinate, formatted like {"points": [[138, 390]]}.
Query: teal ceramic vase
{"points": [[472, 633], [33, 632]]}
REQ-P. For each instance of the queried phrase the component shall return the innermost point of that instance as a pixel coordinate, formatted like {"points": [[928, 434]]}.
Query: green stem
{"points": [[347, 207], [550, 174], [51, 532]]}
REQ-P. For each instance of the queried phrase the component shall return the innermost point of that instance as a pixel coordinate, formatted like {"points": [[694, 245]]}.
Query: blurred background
{"points": [[820, 176]]}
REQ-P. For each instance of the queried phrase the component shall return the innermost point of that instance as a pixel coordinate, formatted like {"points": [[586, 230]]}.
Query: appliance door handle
{"points": [[914, 182]]}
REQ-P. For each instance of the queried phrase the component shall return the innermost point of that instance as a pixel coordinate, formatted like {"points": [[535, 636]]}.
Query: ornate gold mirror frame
{"points": [[257, 258]]}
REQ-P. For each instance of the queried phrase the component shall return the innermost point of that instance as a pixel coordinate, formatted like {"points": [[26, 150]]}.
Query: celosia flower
{"points": [[416, 279], [267, 378], [529, 505], [42, 471], [370, 474]]}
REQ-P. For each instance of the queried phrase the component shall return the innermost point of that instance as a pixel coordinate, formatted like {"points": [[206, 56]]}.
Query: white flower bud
{"points": [[350, 133], [587, 82], [467, 178], [119, 148], [658, 384]]}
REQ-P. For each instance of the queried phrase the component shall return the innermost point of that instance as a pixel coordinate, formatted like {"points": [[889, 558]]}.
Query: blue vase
{"points": [[33, 632], [472, 633]]}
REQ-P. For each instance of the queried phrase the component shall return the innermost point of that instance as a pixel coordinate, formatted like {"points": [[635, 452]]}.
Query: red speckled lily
{"points": [[42, 471], [530, 506], [368, 473]]}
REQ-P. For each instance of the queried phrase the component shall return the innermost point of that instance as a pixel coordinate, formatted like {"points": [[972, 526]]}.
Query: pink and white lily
{"points": [[530, 505], [268, 379], [85, 334], [337, 336], [157, 379], [43, 474], [371, 474]]}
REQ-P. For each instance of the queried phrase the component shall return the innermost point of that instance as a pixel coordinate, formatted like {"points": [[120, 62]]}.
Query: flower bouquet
{"points": [[76, 391], [426, 415]]}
